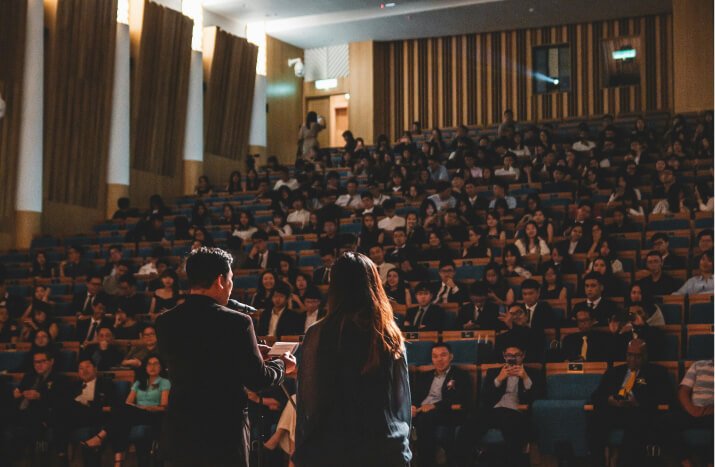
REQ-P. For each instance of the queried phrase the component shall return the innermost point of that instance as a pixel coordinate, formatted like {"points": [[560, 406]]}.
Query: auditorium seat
{"points": [[12, 361]]}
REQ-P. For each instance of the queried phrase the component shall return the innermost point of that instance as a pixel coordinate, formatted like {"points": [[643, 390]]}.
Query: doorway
{"points": [[334, 109]]}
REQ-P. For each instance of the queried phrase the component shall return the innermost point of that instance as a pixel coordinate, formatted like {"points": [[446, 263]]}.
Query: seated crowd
{"points": [[557, 247]]}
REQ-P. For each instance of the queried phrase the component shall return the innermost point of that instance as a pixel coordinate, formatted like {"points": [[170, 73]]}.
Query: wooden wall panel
{"points": [[229, 94], [692, 33], [78, 101], [284, 97], [361, 108], [473, 78], [160, 89], [13, 22]]}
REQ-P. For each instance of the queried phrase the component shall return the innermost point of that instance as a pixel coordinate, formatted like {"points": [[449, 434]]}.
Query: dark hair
{"points": [[311, 118], [530, 284], [356, 297], [438, 345], [478, 289], [659, 236], [204, 264], [423, 287], [142, 376], [129, 279], [595, 276]]}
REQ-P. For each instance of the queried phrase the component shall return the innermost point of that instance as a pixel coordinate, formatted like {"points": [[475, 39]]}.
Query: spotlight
{"points": [[556, 81]]}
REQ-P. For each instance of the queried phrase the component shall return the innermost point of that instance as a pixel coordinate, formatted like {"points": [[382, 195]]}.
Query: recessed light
{"points": [[387, 5]]}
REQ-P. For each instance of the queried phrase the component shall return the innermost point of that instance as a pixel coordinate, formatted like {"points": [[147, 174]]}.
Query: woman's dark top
{"points": [[368, 238], [477, 251], [397, 294], [500, 289], [127, 332], [163, 304], [7, 333], [437, 254], [262, 301], [547, 294], [344, 417], [42, 271]]}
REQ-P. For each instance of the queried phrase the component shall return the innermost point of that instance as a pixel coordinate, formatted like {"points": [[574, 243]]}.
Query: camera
{"points": [[510, 361]]}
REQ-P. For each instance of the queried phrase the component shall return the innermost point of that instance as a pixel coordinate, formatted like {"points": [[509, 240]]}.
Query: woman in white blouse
{"points": [[531, 243]]}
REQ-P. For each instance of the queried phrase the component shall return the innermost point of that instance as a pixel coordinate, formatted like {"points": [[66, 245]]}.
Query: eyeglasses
{"points": [[40, 362], [147, 334], [513, 355]]}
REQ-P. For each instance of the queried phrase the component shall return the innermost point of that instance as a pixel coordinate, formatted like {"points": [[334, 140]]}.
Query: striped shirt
{"points": [[699, 377]]}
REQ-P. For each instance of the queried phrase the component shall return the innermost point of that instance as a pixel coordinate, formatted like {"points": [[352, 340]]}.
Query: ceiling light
{"points": [[323, 84], [387, 5]]}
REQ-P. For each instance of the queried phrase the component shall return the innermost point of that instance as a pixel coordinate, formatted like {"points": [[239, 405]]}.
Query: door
{"points": [[321, 106]]}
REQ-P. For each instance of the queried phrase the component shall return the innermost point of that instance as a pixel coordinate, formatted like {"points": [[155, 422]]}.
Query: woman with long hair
{"points": [[397, 288], [353, 385], [308, 134], [235, 183]]}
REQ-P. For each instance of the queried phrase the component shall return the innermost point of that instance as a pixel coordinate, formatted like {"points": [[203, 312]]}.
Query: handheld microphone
{"points": [[238, 306]]}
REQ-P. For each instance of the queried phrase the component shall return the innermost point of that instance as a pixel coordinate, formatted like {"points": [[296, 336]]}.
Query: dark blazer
{"points": [[104, 393], [79, 299], [433, 319], [291, 323], [104, 360], [653, 386], [653, 336], [543, 317], [83, 327], [134, 305], [347, 417], [406, 252], [460, 296], [319, 276], [674, 262], [205, 418], [601, 313], [273, 261], [488, 316], [491, 394], [665, 286], [53, 391], [531, 341], [581, 247], [456, 389], [600, 346]]}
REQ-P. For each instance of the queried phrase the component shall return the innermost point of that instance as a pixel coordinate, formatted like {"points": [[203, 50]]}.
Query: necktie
{"points": [[350, 200], [584, 348], [261, 258], [628, 386], [591, 305], [443, 294], [92, 330], [418, 317], [477, 310], [326, 276], [87, 303]]}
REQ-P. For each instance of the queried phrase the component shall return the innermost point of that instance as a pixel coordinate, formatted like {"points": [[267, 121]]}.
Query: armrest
{"points": [[661, 407], [456, 407]]}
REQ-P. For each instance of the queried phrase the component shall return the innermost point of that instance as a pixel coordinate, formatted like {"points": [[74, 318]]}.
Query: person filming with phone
{"points": [[506, 390], [207, 424]]}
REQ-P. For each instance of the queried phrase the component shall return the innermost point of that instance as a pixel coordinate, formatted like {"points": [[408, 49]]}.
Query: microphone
{"points": [[238, 306]]}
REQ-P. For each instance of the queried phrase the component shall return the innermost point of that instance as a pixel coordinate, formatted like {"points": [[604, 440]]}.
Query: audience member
{"points": [[426, 316]]}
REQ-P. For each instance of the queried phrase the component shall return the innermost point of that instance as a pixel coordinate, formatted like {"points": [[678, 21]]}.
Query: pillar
{"points": [[28, 203], [194, 137], [118, 166]]}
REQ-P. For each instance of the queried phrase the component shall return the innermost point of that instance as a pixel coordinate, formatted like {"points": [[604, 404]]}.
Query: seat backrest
{"points": [[571, 386], [419, 352], [700, 347]]}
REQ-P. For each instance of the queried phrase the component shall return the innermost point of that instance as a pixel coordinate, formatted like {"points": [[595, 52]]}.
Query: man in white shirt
{"points": [[443, 199], [391, 221], [280, 320], [313, 312], [508, 170], [299, 216], [584, 144], [285, 180], [350, 200], [377, 255]]}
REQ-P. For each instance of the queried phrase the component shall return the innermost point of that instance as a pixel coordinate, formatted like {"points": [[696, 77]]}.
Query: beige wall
{"points": [[693, 55], [284, 96], [361, 109]]}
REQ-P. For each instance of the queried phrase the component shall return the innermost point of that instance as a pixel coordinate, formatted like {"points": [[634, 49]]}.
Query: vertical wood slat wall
{"points": [[446, 81], [78, 100], [160, 85], [229, 96], [13, 22]]}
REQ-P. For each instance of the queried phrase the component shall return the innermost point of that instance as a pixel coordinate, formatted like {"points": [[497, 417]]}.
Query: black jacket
{"points": [[456, 389], [600, 346], [347, 417], [652, 387], [104, 393], [602, 313], [83, 325], [491, 394], [291, 323], [543, 317], [460, 296], [488, 316], [211, 354], [273, 261], [433, 319], [531, 341]]}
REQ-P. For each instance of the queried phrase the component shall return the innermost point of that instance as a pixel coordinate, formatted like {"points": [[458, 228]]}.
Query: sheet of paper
{"points": [[279, 348]]}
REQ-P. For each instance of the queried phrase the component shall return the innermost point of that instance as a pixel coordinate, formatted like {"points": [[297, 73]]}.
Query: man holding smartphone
{"points": [[505, 388]]}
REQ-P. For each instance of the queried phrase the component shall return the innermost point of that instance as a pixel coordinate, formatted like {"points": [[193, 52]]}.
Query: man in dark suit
{"points": [[576, 241], [260, 257], [588, 344], [84, 407], [402, 249], [206, 423], [503, 390], [627, 398], [321, 275], [82, 301], [280, 320], [87, 329], [661, 244], [539, 315], [426, 316], [478, 313], [602, 308], [440, 398], [38, 395], [130, 301], [104, 352], [447, 290], [658, 282]]}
